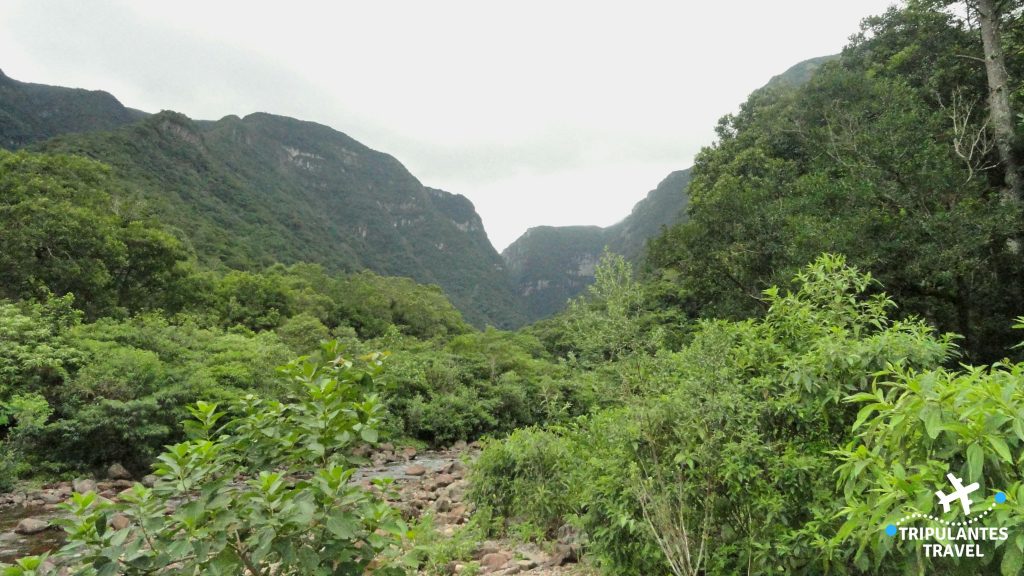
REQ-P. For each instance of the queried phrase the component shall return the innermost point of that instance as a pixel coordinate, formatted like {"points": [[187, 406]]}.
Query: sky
{"points": [[554, 112]]}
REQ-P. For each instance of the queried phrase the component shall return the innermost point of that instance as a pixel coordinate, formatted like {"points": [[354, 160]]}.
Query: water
{"points": [[14, 546]]}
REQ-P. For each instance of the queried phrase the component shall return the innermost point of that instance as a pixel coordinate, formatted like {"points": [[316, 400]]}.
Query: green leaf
{"points": [[369, 435], [932, 418], [1001, 448], [343, 525], [1013, 561], [975, 461]]}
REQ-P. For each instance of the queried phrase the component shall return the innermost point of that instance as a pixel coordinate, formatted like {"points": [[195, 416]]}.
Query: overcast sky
{"points": [[548, 112]]}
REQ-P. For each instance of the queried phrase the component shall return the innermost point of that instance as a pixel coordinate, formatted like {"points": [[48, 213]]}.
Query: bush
{"points": [[720, 461], [528, 478], [267, 492]]}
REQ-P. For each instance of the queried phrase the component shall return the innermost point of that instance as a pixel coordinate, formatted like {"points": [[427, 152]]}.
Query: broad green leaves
{"points": [[253, 495], [933, 422]]}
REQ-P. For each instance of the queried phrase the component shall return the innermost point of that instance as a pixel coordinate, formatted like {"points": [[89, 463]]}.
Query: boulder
{"points": [[51, 497], [29, 526], [118, 472], [415, 470], [83, 485], [494, 561]]}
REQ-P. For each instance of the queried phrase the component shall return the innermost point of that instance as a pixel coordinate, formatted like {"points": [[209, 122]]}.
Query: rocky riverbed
{"points": [[428, 481]]}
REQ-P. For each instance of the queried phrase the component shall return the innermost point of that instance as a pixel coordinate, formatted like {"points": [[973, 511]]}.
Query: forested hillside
{"points": [[885, 155], [549, 265], [791, 379], [263, 189], [33, 112]]}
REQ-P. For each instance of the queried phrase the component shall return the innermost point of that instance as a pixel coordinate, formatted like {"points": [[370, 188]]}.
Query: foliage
{"points": [[268, 492], [732, 450], [880, 156], [62, 232], [914, 427], [251, 192], [527, 478], [477, 383]]}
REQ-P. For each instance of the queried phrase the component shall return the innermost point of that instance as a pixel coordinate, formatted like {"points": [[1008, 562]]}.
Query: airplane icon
{"points": [[960, 493]]}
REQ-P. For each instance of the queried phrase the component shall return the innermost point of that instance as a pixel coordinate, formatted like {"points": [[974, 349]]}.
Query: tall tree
{"points": [[989, 17]]}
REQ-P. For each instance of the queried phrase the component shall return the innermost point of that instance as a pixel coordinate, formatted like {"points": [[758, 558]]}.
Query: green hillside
{"points": [[249, 192], [33, 112]]}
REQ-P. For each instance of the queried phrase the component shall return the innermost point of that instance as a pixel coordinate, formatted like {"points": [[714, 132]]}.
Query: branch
{"points": [[975, 58]]}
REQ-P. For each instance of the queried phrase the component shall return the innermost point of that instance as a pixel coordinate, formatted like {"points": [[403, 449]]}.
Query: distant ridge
{"points": [[30, 113]]}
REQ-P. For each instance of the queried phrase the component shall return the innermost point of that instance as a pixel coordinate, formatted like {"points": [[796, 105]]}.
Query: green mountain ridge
{"points": [[30, 113], [552, 264], [252, 191]]}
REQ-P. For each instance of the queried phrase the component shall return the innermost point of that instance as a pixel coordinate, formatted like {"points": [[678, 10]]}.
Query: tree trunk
{"points": [[999, 97]]}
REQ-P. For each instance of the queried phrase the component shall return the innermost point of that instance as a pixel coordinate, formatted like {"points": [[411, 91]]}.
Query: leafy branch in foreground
{"points": [[268, 493]]}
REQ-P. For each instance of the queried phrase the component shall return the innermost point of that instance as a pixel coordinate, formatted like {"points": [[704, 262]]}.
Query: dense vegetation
{"points": [[884, 156], [793, 368], [249, 192]]}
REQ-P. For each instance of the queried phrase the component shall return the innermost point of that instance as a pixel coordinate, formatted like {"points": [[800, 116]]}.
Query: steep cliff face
{"points": [[261, 189], [33, 112], [551, 264]]}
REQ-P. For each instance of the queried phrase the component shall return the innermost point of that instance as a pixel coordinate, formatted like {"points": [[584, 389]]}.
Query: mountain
{"points": [[249, 192], [551, 264], [33, 112]]}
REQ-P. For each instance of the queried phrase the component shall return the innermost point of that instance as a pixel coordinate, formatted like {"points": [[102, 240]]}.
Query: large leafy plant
{"points": [[268, 492]]}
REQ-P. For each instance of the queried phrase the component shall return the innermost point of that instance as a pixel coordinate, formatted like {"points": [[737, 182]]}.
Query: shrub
{"points": [[268, 492]]}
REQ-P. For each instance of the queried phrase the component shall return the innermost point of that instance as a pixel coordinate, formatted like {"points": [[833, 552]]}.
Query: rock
{"points": [[387, 447], [149, 480], [563, 554], [443, 504], [83, 485], [525, 565], [51, 497], [29, 526], [459, 446], [484, 549], [118, 472], [120, 521], [443, 480], [122, 484], [415, 470], [409, 452], [494, 561], [18, 498]]}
